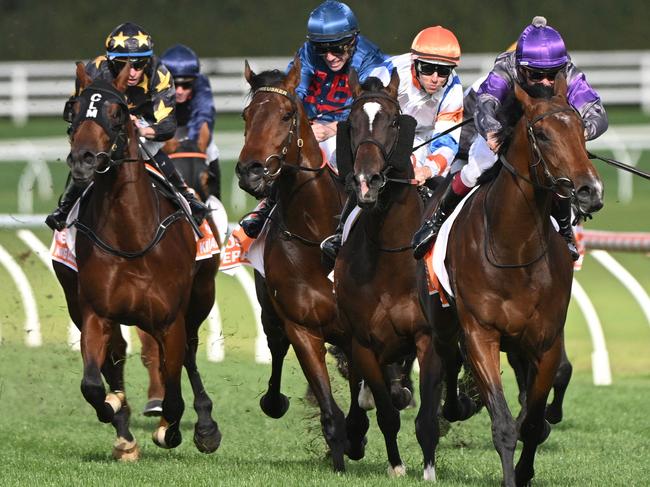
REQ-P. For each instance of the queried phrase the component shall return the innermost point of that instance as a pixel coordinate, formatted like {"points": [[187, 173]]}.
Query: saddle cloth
{"points": [[63, 243], [243, 250]]}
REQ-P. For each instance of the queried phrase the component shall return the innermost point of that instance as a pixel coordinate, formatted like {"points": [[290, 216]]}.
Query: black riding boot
{"points": [[199, 210], [214, 178], [253, 223], [332, 244], [56, 219], [426, 235], [562, 214]]}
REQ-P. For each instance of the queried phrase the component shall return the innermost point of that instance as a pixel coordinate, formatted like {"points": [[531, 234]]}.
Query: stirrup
{"points": [[331, 245]]}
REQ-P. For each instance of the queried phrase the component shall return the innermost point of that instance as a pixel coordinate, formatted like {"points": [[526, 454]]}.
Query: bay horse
{"points": [[136, 265], [281, 154], [375, 274], [510, 271]]}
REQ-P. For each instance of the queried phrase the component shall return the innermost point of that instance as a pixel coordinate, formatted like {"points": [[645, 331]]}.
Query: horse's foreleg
{"points": [[562, 378], [388, 419], [426, 422], [310, 350], [458, 407], [207, 436], [95, 335], [172, 356], [125, 447], [356, 422], [483, 353], [150, 356], [534, 428]]}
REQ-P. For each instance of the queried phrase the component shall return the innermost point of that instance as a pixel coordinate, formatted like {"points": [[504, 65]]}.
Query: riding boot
{"points": [[214, 178], [56, 220], [562, 214], [198, 209], [426, 235], [253, 223], [332, 244]]}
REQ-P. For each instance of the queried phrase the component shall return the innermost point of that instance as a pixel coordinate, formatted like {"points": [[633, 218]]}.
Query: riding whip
{"points": [[620, 165]]}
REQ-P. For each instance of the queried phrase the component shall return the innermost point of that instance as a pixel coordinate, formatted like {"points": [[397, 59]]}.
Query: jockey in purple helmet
{"points": [[333, 46], [539, 56]]}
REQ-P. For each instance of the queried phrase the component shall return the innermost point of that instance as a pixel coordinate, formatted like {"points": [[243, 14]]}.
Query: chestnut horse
{"points": [[375, 274], [510, 271], [281, 154], [136, 265]]}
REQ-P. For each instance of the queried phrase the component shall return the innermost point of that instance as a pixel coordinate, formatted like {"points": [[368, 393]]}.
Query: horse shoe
{"points": [[158, 436], [125, 450]]}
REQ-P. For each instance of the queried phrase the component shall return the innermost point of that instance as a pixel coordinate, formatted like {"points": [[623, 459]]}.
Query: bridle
{"points": [[94, 102], [294, 132]]}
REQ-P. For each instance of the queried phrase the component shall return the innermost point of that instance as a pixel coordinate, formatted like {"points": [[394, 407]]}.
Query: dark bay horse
{"points": [[510, 271], [136, 265], [298, 307], [375, 274]]}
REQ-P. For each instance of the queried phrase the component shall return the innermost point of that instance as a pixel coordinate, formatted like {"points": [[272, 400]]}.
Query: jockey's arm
{"points": [[204, 137], [587, 102], [324, 131]]}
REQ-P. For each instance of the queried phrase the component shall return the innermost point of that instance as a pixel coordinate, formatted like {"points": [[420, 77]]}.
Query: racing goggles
{"points": [[186, 84], [428, 69], [537, 75], [137, 63], [338, 49]]}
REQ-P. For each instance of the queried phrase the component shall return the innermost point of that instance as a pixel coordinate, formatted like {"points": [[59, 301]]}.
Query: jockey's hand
{"points": [[324, 131], [493, 142], [144, 131], [422, 173]]}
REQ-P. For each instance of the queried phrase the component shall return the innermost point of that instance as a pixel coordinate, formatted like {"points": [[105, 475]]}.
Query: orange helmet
{"points": [[436, 45]]}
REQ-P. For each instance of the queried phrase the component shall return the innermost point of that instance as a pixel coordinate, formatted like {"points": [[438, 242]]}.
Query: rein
{"points": [[620, 165]]}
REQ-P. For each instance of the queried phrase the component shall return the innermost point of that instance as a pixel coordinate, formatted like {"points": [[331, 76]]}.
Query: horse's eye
{"points": [[541, 136], [287, 116], [395, 122]]}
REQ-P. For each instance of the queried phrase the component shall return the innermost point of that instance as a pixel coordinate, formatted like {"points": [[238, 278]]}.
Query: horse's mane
{"points": [[271, 77], [372, 84]]}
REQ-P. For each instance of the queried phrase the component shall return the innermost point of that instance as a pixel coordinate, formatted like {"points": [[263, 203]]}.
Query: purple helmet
{"points": [[540, 47]]}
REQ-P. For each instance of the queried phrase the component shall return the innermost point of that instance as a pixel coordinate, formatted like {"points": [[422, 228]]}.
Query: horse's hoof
{"points": [[402, 398], [464, 409], [207, 440], [397, 470], [153, 408], [553, 415], [545, 432], [274, 409], [126, 451], [356, 450], [167, 438], [430, 473]]}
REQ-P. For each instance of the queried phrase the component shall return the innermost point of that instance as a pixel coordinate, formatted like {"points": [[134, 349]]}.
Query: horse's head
{"points": [[554, 133], [272, 136], [99, 119], [376, 132]]}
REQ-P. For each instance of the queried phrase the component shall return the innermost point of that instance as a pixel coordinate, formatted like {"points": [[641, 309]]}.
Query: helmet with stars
{"points": [[128, 42]]}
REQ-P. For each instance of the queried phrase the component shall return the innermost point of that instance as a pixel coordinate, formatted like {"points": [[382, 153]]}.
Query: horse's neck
{"points": [[396, 217], [123, 198], [516, 210]]}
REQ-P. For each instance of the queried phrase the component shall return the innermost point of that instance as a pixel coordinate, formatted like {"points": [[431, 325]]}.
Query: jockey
{"points": [[539, 56], [195, 111], [150, 96], [429, 91], [333, 46]]}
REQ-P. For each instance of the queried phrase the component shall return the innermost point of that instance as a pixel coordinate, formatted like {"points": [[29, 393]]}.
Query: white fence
{"points": [[39, 88]]}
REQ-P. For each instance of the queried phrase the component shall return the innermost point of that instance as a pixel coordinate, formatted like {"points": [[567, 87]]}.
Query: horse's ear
{"points": [[122, 80], [353, 82], [82, 76], [522, 96], [248, 72], [393, 86], [560, 87], [294, 74]]}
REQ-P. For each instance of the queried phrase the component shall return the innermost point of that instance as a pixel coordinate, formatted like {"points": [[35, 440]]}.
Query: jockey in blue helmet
{"points": [[539, 56], [195, 113], [333, 46], [150, 96]]}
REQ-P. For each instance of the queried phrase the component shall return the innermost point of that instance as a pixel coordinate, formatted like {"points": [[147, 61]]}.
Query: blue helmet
{"points": [[330, 22], [181, 61]]}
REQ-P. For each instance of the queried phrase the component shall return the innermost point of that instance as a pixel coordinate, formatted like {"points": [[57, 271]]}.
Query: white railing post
{"points": [[645, 82], [19, 95]]}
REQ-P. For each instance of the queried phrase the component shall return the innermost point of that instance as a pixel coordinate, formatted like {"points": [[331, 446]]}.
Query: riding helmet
{"points": [[541, 47], [128, 40], [182, 62], [436, 45], [331, 22]]}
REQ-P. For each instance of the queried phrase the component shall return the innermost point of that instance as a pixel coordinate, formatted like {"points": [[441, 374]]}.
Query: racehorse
{"points": [[281, 154], [510, 271], [375, 274], [136, 265]]}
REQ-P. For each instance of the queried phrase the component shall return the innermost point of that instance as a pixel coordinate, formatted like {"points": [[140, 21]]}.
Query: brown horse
{"points": [[510, 271], [375, 273], [136, 265], [281, 154]]}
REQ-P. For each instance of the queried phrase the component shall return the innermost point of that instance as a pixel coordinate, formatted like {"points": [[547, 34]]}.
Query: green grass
{"points": [[51, 436]]}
